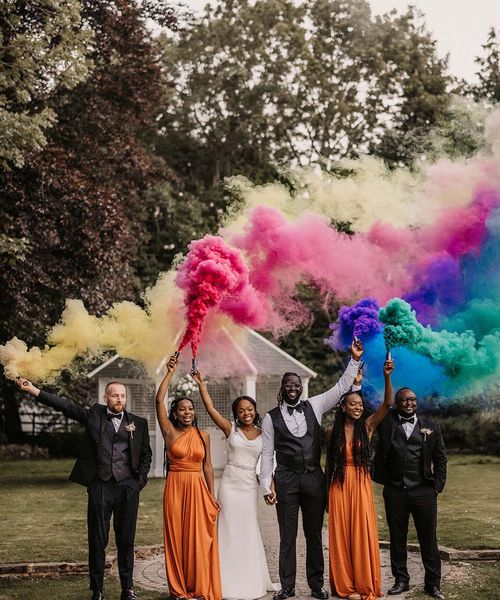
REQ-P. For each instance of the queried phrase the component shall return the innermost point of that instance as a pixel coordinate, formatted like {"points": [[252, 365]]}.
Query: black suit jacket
{"points": [[433, 450], [94, 419]]}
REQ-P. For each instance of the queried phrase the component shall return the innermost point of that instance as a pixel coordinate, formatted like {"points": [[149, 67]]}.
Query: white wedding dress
{"points": [[243, 565]]}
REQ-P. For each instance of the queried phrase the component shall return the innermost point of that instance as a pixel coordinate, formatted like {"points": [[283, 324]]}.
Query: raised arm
{"points": [[373, 421], [221, 422], [324, 402], [167, 429], [67, 407]]}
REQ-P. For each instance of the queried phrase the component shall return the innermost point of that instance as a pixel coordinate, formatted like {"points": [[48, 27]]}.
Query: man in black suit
{"points": [[411, 463], [113, 463]]}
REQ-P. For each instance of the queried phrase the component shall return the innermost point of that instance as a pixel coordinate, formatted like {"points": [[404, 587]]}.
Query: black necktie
{"points": [[290, 409], [408, 420], [110, 416]]}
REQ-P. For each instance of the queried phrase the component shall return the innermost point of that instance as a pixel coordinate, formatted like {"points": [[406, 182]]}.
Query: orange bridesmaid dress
{"points": [[353, 535], [190, 531]]}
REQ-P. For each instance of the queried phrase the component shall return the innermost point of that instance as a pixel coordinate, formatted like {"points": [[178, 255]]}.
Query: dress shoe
{"points": [[398, 588], [320, 593], [283, 594], [97, 595], [435, 592], [128, 595]]}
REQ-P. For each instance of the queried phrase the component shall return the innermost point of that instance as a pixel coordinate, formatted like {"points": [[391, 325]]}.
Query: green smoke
{"points": [[464, 356]]}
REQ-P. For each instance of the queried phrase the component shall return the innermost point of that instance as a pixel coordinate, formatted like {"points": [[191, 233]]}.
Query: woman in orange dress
{"points": [[189, 505], [352, 522]]}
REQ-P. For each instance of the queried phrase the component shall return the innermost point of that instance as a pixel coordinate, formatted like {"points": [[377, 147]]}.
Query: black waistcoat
{"points": [[298, 454], [405, 461], [114, 453]]}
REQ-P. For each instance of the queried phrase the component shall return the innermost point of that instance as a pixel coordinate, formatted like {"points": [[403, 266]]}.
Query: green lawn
{"points": [[477, 581], [468, 509], [64, 588], [43, 515]]}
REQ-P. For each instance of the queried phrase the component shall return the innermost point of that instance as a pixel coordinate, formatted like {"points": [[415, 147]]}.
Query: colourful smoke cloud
{"points": [[429, 238]]}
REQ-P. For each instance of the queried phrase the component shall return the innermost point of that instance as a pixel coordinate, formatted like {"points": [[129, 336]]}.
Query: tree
{"points": [[256, 87], [79, 204], [488, 87], [44, 51], [424, 87], [260, 82]]}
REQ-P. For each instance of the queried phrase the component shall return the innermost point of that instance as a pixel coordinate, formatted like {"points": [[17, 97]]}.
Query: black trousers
{"points": [[120, 499], [306, 491], [421, 503]]}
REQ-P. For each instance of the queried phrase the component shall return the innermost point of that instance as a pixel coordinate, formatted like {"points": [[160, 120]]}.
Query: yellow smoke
{"points": [[146, 335]]}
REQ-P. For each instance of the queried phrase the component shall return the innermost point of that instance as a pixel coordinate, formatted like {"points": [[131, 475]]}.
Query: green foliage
{"points": [[477, 432], [80, 204], [44, 51], [488, 87]]}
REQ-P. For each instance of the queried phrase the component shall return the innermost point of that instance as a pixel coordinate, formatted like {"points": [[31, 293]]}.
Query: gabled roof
{"points": [[257, 356]]}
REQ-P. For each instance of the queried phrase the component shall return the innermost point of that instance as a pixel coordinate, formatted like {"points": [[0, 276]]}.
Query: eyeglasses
{"points": [[410, 400]]}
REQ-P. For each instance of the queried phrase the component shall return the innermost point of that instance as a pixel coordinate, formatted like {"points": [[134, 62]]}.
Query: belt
{"points": [[245, 467]]}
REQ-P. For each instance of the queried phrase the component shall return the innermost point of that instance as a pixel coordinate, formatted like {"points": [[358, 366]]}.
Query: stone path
{"points": [[150, 573]]}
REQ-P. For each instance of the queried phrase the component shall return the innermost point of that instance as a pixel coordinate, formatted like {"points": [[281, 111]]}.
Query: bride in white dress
{"points": [[243, 565]]}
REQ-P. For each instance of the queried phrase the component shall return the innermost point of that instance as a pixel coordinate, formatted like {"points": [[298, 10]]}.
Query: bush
{"points": [[477, 433], [22, 452], [60, 444]]}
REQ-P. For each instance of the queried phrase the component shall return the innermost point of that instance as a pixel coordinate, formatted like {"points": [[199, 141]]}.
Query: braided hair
{"points": [[280, 392], [234, 408], [175, 422], [336, 448]]}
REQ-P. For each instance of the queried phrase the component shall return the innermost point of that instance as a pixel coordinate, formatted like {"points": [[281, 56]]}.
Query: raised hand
{"points": [[357, 349], [27, 386], [359, 377], [388, 367], [197, 376], [172, 364]]}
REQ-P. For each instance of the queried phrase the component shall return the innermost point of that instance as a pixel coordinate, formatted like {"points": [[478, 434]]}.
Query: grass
{"points": [[66, 588], [480, 581], [468, 509], [43, 515]]}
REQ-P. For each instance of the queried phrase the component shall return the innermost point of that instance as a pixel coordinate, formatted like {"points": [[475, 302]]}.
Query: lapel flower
{"points": [[130, 428], [426, 432]]}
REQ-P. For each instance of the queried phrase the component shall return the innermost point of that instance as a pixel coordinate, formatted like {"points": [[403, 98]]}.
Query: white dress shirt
{"points": [[296, 422], [116, 420], [407, 426]]}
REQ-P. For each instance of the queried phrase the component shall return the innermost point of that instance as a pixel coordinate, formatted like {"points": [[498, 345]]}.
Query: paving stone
{"points": [[150, 573]]}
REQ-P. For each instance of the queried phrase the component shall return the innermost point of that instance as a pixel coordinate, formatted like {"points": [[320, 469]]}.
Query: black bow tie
{"points": [[290, 409], [112, 416], [407, 419]]}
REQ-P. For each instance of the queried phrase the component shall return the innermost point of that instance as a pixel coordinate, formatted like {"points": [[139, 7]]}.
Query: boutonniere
{"points": [[426, 432], [130, 428]]}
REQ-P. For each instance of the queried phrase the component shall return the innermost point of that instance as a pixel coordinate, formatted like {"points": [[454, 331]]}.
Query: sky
{"points": [[460, 27]]}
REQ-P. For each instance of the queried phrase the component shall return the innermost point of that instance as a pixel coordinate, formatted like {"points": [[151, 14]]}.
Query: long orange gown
{"points": [[353, 535], [190, 531]]}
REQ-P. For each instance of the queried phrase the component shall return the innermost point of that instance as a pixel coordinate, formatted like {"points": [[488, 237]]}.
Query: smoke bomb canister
{"points": [[194, 365], [388, 355], [176, 354]]}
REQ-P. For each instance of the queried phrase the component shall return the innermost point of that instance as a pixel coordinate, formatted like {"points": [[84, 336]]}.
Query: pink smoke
{"points": [[214, 276], [282, 254], [384, 263]]}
